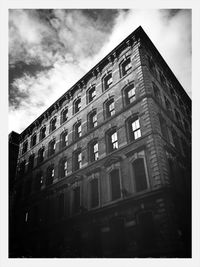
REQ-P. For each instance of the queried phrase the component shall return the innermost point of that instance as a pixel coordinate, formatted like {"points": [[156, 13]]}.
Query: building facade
{"points": [[105, 171]]}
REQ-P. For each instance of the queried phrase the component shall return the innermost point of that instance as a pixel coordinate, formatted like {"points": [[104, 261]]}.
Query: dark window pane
{"points": [[139, 175], [94, 193], [115, 184]]}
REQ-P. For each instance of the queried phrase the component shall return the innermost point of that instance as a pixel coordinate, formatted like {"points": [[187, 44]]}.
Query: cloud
{"points": [[60, 46]]}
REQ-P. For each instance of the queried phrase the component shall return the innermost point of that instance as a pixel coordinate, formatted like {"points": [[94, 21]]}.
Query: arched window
{"points": [[22, 167], [134, 131], [31, 162], [92, 119], [63, 168], [64, 114], [93, 150], [115, 187], [125, 66], [40, 155], [91, 94], [157, 93], [107, 81], [64, 139], [33, 139], [42, 132], [52, 125], [24, 147], [50, 175], [77, 130], [77, 159], [129, 94], [39, 181], [111, 140], [109, 107], [94, 192], [77, 105], [52, 147], [140, 178]]}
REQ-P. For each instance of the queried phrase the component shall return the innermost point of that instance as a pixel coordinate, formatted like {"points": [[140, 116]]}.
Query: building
{"points": [[105, 171]]}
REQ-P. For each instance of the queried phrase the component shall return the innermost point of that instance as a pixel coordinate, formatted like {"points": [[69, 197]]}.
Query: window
{"points": [[156, 92], [39, 181], [52, 125], [125, 66], [107, 81], [76, 198], [77, 105], [64, 139], [25, 147], [129, 94], [50, 175], [93, 151], [91, 94], [92, 119], [64, 115], [115, 184], [33, 139], [31, 162], [176, 140], [140, 178], [77, 130], [63, 168], [22, 167], [61, 206], [109, 108], [41, 155], [112, 141], [162, 78], [77, 160], [173, 94], [134, 128], [178, 118], [52, 147], [163, 127], [42, 132], [151, 64], [94, 193], [168, 106]]}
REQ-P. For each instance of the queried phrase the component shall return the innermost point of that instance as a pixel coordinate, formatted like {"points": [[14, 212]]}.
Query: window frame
{"points": [[109, 142], [53, 122], [43, 132], [108, 113], [24, 147], [134, 174], [76, 103], [33, 138], [127, 100], [91, 123], [106, 84], [90, 98], [77, 132], [131, 132], [91, 152], [50, 175], [123, 65], [77, 164], [41, 159], [112, 186], [63, 139], [63, 170], [64, 119], [52, 147]]}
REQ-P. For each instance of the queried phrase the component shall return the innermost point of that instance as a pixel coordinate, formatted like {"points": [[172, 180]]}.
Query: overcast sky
{"points": [[50, 50]]}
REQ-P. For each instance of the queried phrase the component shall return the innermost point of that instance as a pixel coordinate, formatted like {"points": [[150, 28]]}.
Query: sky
{"points": [[50, 50]]}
